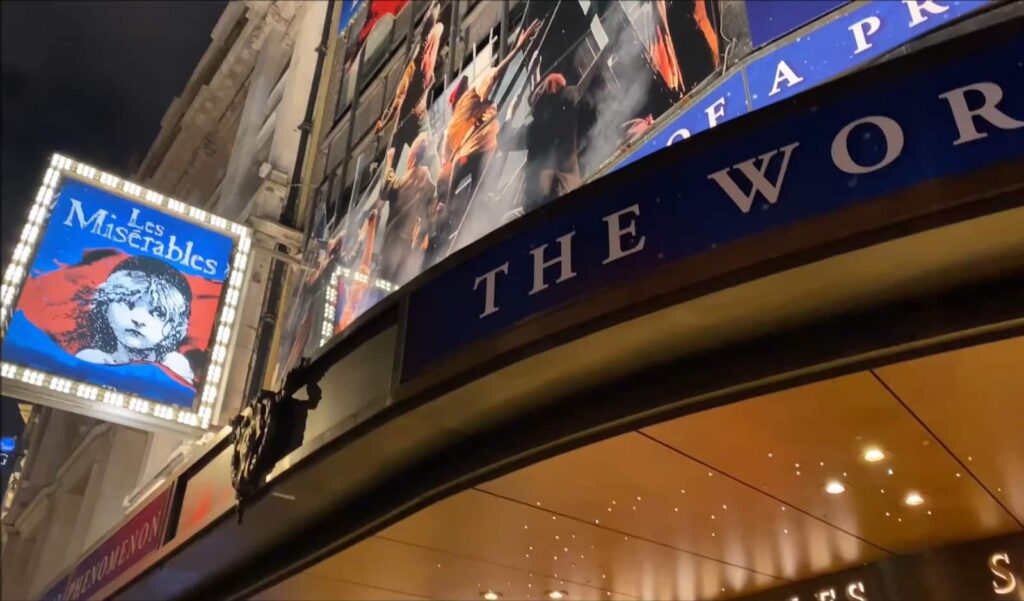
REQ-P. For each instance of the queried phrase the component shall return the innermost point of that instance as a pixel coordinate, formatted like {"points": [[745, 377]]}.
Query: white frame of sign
{"points": [[110, 404]]}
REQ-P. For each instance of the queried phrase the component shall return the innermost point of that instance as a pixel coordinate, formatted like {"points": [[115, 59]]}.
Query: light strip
{"points": [[331, 297], [16, 271]]}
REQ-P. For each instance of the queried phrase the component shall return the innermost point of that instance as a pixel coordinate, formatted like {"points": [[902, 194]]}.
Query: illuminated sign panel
{"points": [[954, 117], [120, 302]]}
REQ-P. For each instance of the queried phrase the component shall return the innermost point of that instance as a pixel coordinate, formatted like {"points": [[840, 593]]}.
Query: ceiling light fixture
{"points": [[835, 487], [557, 594], [490, 595], [873, 454], [913, 498]]}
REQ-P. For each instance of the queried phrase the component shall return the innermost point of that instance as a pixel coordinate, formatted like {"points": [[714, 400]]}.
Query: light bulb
{"points": [[873, 455], [913, 498], [835, 487]]}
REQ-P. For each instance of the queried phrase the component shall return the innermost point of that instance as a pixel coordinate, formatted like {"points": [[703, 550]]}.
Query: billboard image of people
{"points": [[120, 294], [455, 157]]}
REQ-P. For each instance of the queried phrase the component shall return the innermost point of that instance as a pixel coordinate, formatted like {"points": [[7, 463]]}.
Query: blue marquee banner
{"points": [[951, 118], [771, 19], [844, 43], [840, 45]]}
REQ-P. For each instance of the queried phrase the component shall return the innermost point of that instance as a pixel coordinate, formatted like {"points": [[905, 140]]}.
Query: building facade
{"points": [[516, 335], [227, 144]]}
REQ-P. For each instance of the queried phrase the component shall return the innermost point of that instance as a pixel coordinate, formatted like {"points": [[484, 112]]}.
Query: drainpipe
{"points": [[289, 216]]}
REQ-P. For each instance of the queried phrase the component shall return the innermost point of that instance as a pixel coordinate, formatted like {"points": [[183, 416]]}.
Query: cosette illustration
{"points": [[120, 295], [140, 313]]}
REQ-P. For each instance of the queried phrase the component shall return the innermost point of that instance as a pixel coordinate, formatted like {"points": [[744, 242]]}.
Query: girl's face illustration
{"points": [[139, 324]]}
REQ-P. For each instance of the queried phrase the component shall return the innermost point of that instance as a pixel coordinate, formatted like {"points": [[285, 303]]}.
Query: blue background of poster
{"points": [[28, 343], [772, 19], [349, 8]]}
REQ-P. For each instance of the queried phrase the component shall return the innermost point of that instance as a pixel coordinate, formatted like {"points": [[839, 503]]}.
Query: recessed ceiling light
{"points": [[835, 488], [557, 594], [873, 454], [913, 498], [490, 595]]}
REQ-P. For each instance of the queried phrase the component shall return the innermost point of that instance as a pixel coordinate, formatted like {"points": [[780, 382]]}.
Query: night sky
{"points": [[92, 80]]}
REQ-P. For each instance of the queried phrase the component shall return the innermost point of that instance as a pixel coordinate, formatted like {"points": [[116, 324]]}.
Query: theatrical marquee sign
{"points": [[842, 44], [955, 115], [120, 303]]}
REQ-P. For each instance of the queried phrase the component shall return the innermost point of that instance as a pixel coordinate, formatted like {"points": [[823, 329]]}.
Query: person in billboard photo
{"points": [[513, 131], [140, 313], [120, 295], [409, 104], [409, 196], [472, 137]]}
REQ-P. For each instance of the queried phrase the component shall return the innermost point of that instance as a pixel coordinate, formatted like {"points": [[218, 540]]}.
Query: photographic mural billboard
{"points": [[455, 157], [122, 297]]}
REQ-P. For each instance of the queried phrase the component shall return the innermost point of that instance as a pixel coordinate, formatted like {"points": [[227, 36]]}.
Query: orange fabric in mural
{"points": [[663, 52], [700, 15]]}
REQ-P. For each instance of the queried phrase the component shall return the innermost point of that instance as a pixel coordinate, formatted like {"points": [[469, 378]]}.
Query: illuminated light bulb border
{"points": [[331, 296], [14, 275]]}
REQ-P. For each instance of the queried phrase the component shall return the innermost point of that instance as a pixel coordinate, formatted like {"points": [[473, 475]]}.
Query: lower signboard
{"points": [[990, 569], [131, 543], [942, 113]]}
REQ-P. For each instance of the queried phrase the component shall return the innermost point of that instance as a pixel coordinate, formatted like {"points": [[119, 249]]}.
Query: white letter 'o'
{"points": [[893, 145]]}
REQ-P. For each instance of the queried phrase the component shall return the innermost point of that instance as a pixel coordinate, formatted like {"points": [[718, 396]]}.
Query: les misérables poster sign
{"points": [[120, 303]]}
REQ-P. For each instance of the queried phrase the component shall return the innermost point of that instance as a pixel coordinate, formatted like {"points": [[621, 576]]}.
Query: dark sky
{"points": [[92, 80]]}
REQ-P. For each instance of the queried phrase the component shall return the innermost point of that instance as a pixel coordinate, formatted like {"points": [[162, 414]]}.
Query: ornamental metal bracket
{"points": [[269, 427]]}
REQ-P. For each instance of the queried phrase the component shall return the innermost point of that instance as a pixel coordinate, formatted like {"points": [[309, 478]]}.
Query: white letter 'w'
{"points": [[756, 175]]}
